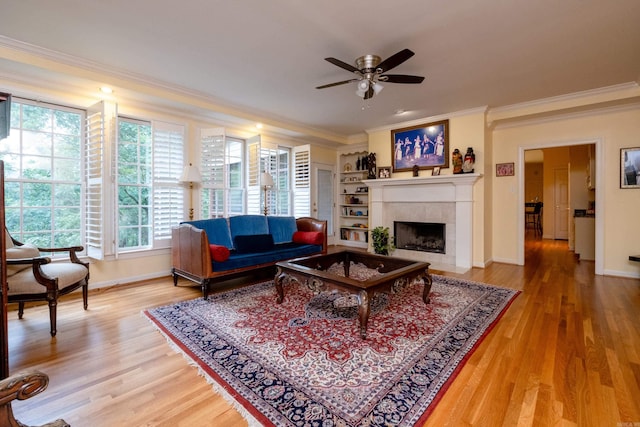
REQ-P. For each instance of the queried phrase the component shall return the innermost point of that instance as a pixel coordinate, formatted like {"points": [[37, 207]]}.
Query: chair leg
{"points": [[85, 296], [53, 309], [20, 309]]}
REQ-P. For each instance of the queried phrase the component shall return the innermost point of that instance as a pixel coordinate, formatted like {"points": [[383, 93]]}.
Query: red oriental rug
{"points": [[303, 363]]}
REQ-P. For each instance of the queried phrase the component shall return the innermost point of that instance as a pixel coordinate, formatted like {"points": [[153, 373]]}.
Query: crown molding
{"points": [[210, 106], [416, 122], [555, 116], [563, 102]]}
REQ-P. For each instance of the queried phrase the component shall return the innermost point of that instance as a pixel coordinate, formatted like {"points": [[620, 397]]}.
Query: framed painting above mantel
{"points": [[425, 146]]}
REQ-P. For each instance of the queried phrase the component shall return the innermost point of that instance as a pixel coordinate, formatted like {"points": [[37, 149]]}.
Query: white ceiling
{"points": [[263, 59]]}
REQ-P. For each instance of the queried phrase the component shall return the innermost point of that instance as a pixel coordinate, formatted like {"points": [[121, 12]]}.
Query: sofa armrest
{"points": [[190, 251], [313, 224]]}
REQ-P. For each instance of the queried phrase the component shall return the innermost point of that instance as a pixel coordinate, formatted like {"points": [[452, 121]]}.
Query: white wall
{"points": [[615, 128]]}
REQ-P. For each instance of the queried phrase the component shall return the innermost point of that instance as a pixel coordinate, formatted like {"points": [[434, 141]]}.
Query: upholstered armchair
{"points": [[32, 277], [21, 386]]}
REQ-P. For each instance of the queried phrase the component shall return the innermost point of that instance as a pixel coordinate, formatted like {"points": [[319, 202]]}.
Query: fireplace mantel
{"points": [[415, 194], [467, 179]]}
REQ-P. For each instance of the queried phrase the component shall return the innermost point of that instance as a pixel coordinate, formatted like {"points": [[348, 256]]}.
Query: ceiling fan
{"points": [[369, 71]]}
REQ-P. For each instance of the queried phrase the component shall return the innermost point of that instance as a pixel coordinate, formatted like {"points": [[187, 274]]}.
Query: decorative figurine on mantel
{"points": [[371, 163], [456, 161], [469, 161], [416, 168], [364, 164]]}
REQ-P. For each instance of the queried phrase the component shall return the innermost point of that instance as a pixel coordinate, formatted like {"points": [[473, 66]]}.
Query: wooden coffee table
{"points": [[312, 272]]}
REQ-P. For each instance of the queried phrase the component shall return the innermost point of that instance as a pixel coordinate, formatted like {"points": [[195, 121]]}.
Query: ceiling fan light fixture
{"points": [[377, 88], [369, 72], [362, 87]]}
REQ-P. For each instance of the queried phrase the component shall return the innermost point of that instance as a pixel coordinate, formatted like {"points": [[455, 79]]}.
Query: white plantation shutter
{"points": [[212, 169], [168, 195], [283, 179], [96, 179], [302, 181], [254, 195]]}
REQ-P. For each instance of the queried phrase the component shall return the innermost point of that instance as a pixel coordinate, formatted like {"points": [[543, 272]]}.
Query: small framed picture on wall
{"points": [[630, 167], [505, 169]]}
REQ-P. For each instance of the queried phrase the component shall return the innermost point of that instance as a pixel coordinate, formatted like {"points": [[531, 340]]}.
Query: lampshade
{"points": [[363, 85], [190, 174], [377, 88], [266, 179]]}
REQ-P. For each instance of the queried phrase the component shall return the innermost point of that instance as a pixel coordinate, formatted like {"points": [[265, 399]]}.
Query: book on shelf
{"points": [[354, 235]]}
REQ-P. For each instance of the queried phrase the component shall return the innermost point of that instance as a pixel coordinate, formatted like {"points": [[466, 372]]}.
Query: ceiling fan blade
{"points": [[336, 83], [342, 64], [395, 60], [401, 78]]}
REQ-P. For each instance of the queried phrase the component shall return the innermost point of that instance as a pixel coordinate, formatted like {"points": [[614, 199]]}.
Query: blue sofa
{"points": [[216, 249]]}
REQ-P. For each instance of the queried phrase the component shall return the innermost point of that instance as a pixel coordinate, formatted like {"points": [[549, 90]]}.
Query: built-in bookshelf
{"points": [[353, 200]]}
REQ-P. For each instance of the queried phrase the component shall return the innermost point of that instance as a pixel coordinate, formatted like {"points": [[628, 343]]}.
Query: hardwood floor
{"points": [[566, 353]]}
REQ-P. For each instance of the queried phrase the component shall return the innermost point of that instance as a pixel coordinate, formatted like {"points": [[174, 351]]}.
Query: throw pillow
{"points": [[219, 253], [253, 243], [308, 237]]}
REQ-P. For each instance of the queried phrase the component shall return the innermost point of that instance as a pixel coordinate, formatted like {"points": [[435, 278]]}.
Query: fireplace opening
{"points": [[420, 236]]}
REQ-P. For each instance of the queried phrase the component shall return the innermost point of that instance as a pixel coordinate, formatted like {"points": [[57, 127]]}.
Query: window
{"points": [[222, 169], [43, 167], [275, 161], [149, 165], [134, 177], [58, 170], [231, 169]]}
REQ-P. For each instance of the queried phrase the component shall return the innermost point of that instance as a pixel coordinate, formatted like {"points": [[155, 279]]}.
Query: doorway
{"points": [[568, 168]]}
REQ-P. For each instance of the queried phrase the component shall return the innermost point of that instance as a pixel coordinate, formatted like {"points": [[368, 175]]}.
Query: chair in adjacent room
{"points": [[533, 216], [32, 277]]}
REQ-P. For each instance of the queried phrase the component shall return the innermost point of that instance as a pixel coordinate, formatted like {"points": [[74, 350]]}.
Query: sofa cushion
{"points": [[219, 253], [217, 230], [308, 237], [253, 243], [282, 228], [280, 252], [243, 225]]}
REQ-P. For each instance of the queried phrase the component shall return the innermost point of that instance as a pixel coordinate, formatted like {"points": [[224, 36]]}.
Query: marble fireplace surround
{"points": [[444, 199]]}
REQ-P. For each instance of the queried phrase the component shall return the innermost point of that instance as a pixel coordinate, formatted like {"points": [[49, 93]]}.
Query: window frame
{"points": [[56, 138]]}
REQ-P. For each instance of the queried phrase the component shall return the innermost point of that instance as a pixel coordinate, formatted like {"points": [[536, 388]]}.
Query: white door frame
{"points": [[600, 195], [314, 195]]}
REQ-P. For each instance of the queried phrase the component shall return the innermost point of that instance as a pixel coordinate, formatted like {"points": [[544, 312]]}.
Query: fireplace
{"points": [[420, 236], [442, 199]]}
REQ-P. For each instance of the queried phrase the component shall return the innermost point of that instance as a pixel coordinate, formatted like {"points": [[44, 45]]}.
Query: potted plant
{"points": [[381, 240]]}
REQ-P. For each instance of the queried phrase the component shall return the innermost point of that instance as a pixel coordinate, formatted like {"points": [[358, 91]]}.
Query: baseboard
{"points": [[127, 280], [617, 273]]}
